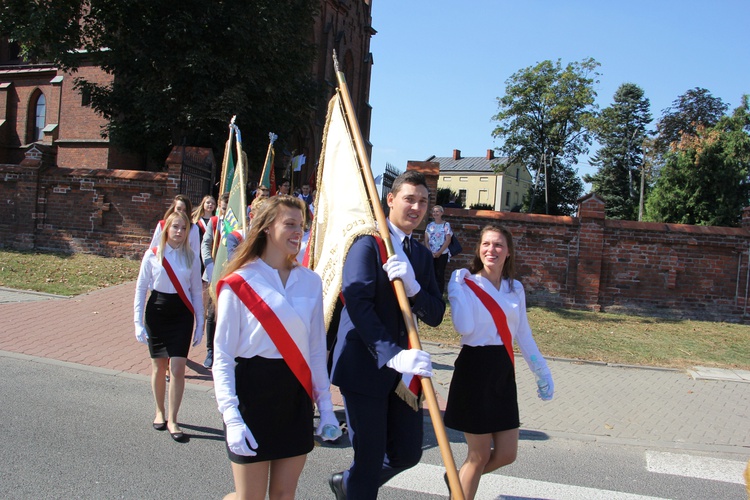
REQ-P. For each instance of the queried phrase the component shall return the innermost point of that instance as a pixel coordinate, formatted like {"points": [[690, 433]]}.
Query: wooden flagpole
{"points": [[403, 300]]}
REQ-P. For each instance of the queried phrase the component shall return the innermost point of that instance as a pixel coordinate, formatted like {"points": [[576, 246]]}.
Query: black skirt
{"points": [[483, 397], [169, 324], [276, 409]]}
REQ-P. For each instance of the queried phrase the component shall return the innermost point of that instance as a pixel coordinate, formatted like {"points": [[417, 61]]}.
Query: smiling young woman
{"points": [[488, 309], [270, 354]]}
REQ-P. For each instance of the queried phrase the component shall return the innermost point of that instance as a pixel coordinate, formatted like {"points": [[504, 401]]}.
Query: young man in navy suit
{"points": [[371, 353]]}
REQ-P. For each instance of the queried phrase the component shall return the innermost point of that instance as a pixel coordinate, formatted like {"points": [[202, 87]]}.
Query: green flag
{"points": [[235, 218], [267, 177]]}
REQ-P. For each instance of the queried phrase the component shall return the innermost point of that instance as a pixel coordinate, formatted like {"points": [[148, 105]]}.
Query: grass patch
{"points": [[625, 339], [613, 338], [63, 274]]}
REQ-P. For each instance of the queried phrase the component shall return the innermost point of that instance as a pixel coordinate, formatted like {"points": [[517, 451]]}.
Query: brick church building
{"points": [[40, 108]]}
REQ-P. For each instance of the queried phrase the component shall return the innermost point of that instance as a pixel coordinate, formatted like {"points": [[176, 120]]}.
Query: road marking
{"points": [[717, 469], [425, 478]]}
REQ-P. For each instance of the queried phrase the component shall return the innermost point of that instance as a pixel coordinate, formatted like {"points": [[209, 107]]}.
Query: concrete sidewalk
{"points": [[598, 402]]}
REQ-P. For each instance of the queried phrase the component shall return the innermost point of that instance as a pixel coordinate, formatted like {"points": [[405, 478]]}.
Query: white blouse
{"points": [[153, 276], [240, 334], [474, 322]]}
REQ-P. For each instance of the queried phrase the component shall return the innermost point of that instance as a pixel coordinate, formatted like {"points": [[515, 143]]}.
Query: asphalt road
{"points": [[75, 432]]}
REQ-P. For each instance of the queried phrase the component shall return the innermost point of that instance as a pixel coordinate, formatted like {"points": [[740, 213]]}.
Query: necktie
{"points": [[406, 244]]}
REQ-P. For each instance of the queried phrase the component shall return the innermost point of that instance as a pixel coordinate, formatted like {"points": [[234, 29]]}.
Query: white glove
{"points": [[140, 334], [412, 361], [239, 438], [197, 335], [208, 272], [545, 386], [328, 418], [459, 275], [397, 268]]}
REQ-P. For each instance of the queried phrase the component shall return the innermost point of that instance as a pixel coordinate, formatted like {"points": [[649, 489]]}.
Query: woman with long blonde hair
{"points": [[270, 355], [167, 322], [203, 213], [180, 203]]}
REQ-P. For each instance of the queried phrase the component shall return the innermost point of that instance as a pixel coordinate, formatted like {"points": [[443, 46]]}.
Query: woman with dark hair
{"points": [[270, 355], [488, 309], [172, 271]]}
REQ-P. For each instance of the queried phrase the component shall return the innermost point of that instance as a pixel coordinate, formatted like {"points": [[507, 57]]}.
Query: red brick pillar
{"points": [[174, 173], [431, 171], [746, 218], [591, 245], [29, 203]]}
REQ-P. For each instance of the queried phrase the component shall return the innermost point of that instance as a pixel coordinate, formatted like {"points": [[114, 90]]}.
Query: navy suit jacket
{"points": [[379, 331]]}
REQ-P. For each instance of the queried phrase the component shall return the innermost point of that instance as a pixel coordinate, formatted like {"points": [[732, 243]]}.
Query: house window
{"points": [[462, 197], [463, 179], [484, 196], [484, 179], [507, 199], [518, 174], [446, 179]]}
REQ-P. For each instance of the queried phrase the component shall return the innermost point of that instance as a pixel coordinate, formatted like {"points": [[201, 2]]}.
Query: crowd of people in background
{"points": [[266, 338]]}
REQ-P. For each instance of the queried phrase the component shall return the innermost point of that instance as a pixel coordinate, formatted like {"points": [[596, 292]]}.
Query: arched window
{"points": [[40, 118]]}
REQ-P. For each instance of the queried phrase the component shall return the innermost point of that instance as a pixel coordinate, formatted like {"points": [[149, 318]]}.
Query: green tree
{"points": [[181, 68], [696, 107], [544, 117], [621, 130], [705, 178]]}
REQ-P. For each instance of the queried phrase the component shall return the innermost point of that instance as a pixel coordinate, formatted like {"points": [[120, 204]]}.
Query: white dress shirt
{"points": [[240, 334], [153, 276], [474, 322]]}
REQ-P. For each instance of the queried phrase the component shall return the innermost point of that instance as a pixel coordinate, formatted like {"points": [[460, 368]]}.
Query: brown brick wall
{"points": [[589, 262], [104, 212], [595, 264]]}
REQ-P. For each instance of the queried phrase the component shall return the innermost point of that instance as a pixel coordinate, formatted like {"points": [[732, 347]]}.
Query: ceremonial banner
{"points": [[267, 177], [235, 217], [342, 208]]}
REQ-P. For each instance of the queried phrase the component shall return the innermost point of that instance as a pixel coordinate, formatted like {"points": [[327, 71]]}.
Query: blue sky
{"points": [[440, 65]]}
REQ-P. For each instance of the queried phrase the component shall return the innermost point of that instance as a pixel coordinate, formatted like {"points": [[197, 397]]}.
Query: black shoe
{"points": [[209, 362], [160, 426], [336, 482], [177, 436]]}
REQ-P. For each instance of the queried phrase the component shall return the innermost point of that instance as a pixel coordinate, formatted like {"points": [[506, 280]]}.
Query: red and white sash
{"points": [[201, 225], [264, 305], [498, 317], [217, 232], [175, 281]]}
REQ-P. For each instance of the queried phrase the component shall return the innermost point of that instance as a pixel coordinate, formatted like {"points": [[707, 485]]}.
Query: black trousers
{"points": [[210, 322], [386, 436], [439, 265]]}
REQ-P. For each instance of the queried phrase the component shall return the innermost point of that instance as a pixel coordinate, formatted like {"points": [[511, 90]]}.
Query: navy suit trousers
{"points": [[390, 441]]}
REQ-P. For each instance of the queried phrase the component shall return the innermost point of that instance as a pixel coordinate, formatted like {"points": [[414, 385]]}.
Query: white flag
{"points": [[342, 207]]}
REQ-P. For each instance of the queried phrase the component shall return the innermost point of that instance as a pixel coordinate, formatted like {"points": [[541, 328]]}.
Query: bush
{"points": [[481, 206]]}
